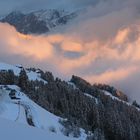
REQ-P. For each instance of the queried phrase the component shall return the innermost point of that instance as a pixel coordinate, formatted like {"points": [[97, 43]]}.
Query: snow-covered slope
{"points": [[14, 109], [54, 18], [22, 110], [13, 131], [32, 75], [106, 93]]}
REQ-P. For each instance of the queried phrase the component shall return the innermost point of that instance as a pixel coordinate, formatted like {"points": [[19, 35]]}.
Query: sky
{"points": [[100, 45], [29, 5]]}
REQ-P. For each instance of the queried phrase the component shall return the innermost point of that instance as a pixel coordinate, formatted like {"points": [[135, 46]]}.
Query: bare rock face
{"points": [[38, 22]]}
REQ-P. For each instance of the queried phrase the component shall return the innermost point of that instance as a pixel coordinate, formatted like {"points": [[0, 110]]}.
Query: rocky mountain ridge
{"points": [[38, 22]]}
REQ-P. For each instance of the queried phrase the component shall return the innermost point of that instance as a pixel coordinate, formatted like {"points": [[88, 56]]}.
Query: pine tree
{"points": [[11, 77], [135, 104], [23, 80]]}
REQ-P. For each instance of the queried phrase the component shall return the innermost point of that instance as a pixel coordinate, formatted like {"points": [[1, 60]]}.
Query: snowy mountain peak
{"points": [[50, 14], [38, 22]]}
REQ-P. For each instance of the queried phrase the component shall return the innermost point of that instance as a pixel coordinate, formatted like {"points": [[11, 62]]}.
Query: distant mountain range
{"points": [[38, 22]]}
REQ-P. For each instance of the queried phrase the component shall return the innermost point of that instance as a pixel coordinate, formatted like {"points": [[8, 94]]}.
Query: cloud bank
{"points": [[101, 45]]}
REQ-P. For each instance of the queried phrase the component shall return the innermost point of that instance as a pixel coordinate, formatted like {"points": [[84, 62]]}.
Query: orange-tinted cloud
{"points": [[112, 75]]}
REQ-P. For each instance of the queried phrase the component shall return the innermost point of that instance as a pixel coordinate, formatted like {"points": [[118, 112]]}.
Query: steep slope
{"points": [[87, 87], [100, 110], [17, 107], [38, 22], [15, 131]]}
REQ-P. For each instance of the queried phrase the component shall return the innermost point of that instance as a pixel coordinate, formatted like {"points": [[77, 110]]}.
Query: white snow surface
{"points": [[50, 14], [14, 111], [42, 118], [14, 131], [16, 69]]}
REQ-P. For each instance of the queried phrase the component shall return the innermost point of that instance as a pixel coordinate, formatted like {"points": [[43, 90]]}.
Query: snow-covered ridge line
{"points": [[105, 93], [43, 21], [32, 75], [115, 98], [49, 14], [91, 96]]}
